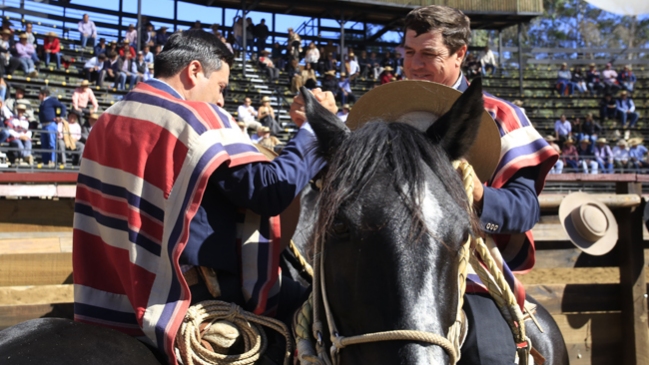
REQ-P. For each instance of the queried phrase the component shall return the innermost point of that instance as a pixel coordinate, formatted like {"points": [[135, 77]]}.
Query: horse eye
{"points": [[340, 228]]}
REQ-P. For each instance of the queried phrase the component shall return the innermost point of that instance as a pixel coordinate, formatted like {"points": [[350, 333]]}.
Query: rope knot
{"points": [[192, 314], [233, 313]]}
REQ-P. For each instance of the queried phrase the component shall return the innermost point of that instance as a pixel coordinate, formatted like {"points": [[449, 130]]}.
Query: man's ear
{"points": [[192, 72], [461, 54]]}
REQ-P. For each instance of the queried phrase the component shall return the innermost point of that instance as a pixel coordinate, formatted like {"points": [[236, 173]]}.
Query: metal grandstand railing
{"points": [[8, 150]]}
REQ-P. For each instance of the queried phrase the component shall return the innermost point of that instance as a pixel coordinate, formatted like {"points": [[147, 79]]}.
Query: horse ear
{"points": [[456, 130], [328, 128]]}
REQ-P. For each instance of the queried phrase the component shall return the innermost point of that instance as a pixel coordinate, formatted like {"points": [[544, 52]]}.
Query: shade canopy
{"points": [[626, 7]]}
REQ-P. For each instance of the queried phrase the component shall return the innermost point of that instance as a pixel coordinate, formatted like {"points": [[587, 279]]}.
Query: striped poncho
{"points": [[144, 171]]}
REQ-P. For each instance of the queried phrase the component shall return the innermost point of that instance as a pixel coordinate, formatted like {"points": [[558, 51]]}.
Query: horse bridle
{"points": [[451, 343]]}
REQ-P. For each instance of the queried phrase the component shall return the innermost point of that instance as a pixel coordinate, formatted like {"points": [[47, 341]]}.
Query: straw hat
{"points": [[569, 140], [331, 73], [23, 36], [622, 143], [635, 141], [265, 99], [22, 107], [590, 225], [94, 116], [6, 32], [601, 140], [550, 138], [85, 83], [346, 106], [624, 93], [388, 68], [406, 101], [585, 140], [53, 34]]}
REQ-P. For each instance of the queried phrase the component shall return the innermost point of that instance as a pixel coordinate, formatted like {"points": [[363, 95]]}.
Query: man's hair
{"points": [[184, 47], [44, 91], [453, 25]]}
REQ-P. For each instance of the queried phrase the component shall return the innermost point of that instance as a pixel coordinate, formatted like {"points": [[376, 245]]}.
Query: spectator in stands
{"points": [[626, 110], [149, 73], [9, 63], [266, 116], [247, 114], [472, 67], [7, 25], [19, 99], [609, 77], [590, 128], [101, 47], [579, 80], [130, 35], [312, 55], [259, 134], [268, 66], [576, 128], [604, 156], [352, 67], [295, 41], [31, 39], [570, 154], [86, 128], [197, 25], [637, 154], [149, 36], [386, 75], [563, 80], [261, 33], [562, 130], [127, 48], [5, 114], [593, 81], [307, 73], [607, 108], [365, 64], [237, 30], [330, 64], [330, 83], [345, 94], [293, 72], [558, 166], [586, 156], [627, 79], [112, 70], [215, 30], [83, 95], [161, 36], [268, 140], [344, 112], [129, 71], [52, 47], [621, 156], [277, 56], [47, 114], [148, 55], [19, 136], [488, 61], [388, 61], [250, 35], [93, 67], [88, 31], [112, 47], [140, 67], [25, 53], [68, 138]]}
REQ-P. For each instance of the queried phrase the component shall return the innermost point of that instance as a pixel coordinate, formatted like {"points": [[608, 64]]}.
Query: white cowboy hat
{"points": [[590, 225], [397, 101]]}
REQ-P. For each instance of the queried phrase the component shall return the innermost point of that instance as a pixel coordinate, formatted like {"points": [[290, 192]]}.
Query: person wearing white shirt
{"points": [[354, 68], [247, 114], [488, 60], [344, 113], [88, 31], [93, 67], [621, 155]]}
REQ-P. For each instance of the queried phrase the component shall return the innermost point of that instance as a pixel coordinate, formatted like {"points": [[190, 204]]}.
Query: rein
{"points": [[490, 275]]}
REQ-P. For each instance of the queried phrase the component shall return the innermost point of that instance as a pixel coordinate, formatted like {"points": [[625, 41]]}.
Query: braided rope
{"points": [[305, 265], [191, 338]]}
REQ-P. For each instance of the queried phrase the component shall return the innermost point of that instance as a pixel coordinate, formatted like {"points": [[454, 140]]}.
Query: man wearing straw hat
{"points": [[25, 53], [604, 155], [637, 153], [52, 47], [83, 95], [621, 156], [436, 42]]}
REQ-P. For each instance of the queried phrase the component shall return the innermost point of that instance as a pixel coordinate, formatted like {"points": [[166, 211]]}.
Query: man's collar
{"points": [[461, 84], [161, 85]]}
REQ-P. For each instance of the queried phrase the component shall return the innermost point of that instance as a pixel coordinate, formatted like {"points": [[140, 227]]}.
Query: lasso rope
{"points": [[211, 327]]}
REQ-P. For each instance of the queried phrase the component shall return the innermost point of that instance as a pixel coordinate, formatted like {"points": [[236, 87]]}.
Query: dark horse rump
{"points": [[58, 341]]}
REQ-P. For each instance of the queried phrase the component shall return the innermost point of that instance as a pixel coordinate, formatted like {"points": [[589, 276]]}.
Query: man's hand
{"points": [[326, 98], [23, 137]]}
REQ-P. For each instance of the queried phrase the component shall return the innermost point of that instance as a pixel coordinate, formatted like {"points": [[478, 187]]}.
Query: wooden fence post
{"points": [[633, 284]]}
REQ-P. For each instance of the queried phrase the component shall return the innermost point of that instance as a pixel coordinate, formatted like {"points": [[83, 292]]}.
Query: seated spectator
{"points": [[277, 56], [627, 79], [558, 166], [330, 82], [149, 73], [247, 114], [52, 47], [112, 47], [472, 67], [129, 71], [31, 39], [604, 156], [570, 154], [19, 136], [86, 128], [312, 55], [388, 61], [365, 64], [626, 110], [488, 61], [5, 113], [269, 141], [268, 66], [344, 112], [7, 25], [82, 96], [576, 129], [69, 138], [579, 80], [130, 36], [563, 80], [113, 71], [637, 154], [8, 63], [590, 128], [352, 67], [101, 47], [25, 52], [227, 44], [266, 116], [93, 67], [19, 99], [607, 108], [307, 73], [244, 131], [595, 85], [260, 133], [293, 72], [345, 94], [587, 157], [148, 55], [162, 36], [376, 65], [149, 36], [386, 75], [127, 48], [140, 67], [87, 30], [609, 77], [562, 129], [621, 156]]}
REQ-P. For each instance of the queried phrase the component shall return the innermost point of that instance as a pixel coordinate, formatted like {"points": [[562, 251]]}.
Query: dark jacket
{"points": [[47, 110]]}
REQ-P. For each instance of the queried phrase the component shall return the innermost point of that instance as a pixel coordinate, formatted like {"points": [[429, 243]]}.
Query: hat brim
{"points": [[390, 101], [599, 247]]}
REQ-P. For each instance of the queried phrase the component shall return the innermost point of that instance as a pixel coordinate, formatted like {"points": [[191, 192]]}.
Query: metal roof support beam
{"points": [[120, 26], [243, 40], [500, 51], [139, 25], [175, 15], [520, 58], [342, 42]]}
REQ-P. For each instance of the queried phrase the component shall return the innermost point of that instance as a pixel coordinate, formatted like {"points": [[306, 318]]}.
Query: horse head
{"points": [[392, 216]]}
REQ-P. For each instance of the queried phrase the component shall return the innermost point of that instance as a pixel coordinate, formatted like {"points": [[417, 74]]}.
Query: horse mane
{"points": [[400, 148]]}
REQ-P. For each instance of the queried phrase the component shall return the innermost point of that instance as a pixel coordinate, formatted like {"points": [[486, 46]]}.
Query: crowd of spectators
{"points": [[593, 82]]}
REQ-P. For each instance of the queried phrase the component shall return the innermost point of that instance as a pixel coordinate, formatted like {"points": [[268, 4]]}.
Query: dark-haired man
{"points": [[49, 114], [436, 41], [190, 201]]}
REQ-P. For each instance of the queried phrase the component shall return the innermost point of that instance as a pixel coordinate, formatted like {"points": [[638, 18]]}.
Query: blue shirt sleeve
{"points": [[514, 208], [267, 188]]}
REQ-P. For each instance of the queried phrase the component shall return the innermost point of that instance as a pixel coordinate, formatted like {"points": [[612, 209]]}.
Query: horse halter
{"points": [[451, 343]]}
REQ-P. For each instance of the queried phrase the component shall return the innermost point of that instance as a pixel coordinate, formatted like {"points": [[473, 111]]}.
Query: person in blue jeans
{"points": [[564, 77], [626, 110], [48, 117]]}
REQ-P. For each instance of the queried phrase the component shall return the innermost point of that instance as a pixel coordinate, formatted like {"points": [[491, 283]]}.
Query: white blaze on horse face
{"points": [[420, 119]]}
